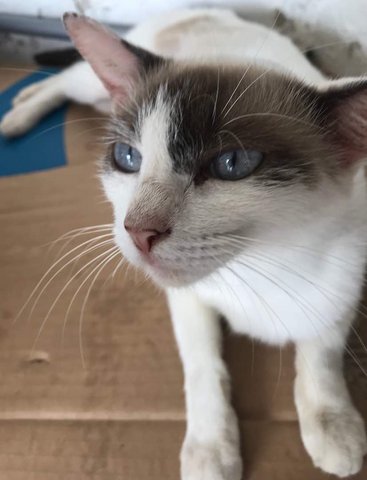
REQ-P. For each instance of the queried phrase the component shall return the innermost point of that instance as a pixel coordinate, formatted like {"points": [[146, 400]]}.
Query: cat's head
{"points": [[201, 156]]}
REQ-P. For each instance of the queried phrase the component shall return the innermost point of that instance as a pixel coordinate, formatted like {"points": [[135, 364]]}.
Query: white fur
{"points": [[300, 307], [211, 447], [154, 139], [313, 310]]}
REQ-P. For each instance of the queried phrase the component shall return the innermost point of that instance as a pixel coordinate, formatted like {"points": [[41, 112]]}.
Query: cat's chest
{"points": [[278, 298]]}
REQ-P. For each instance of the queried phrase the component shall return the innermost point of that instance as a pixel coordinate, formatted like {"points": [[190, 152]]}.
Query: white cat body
{"points": [[220, 35], [297, 278]]}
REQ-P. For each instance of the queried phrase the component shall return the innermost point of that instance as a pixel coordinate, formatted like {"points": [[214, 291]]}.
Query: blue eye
{"points": [[127, 158], [236, 164]]}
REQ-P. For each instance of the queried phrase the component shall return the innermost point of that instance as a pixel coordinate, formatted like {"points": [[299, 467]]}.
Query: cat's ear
{"points": [[344, 106], [116, 62]]}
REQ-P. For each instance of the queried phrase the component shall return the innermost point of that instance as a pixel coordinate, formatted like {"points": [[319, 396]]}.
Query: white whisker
{"points": [[253, 60], [49, 271], [89, 250], [99, 267], [63, 290], [108, 260]]}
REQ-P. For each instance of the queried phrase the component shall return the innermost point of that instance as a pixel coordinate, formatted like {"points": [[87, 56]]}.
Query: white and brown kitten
{"points": [[237, 184]]}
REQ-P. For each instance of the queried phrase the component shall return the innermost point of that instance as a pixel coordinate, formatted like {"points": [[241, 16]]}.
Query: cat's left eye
{"points": [[236, 164], [126, 158]]}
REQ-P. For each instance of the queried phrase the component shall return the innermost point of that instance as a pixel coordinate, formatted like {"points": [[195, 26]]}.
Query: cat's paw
{"points": [[215, 461], [29, 106], [19, 120], [336, 441], [13, 123]]}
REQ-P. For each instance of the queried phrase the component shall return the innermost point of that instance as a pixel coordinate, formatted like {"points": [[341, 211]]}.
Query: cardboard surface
{"points": [[121, 415]]}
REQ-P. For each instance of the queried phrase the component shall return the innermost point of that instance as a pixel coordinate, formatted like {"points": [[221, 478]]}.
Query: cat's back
{"points": [[220, 36]]}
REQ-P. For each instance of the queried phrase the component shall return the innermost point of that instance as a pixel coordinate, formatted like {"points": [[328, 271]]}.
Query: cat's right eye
{"points": [[235, 164], [126, 158]]}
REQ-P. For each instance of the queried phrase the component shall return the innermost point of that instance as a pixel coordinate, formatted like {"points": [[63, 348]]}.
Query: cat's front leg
{"points": [[211, 447], [332, 430]]}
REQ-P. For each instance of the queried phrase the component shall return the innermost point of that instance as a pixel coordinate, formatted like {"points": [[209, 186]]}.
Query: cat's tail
{"points": [[60, 58]]}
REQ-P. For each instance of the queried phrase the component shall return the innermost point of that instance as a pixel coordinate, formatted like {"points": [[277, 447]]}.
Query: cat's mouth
{"points": [[182, 259], [165, 272], [182, 266]]}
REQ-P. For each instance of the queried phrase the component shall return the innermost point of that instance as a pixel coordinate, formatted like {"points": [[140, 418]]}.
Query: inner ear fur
{"points": [[344, 113]]}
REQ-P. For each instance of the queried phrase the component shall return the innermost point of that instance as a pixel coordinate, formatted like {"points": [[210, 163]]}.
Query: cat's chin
{"points": [[166, 278]]}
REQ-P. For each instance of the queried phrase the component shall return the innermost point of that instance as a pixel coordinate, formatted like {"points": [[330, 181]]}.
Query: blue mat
{"points": [[40, 149]]}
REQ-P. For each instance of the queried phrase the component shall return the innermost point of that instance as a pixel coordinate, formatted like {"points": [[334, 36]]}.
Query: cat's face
{"points": [[199, 155], [206, 165]]}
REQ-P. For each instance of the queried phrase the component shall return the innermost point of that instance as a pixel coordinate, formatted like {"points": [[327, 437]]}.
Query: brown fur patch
{"points": [[218, 109]]}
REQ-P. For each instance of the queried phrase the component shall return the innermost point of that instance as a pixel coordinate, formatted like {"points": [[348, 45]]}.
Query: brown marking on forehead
{"points": [[218, 109]]}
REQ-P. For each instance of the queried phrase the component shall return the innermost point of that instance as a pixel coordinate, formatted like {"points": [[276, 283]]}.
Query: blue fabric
{"points": [[40, 149]]}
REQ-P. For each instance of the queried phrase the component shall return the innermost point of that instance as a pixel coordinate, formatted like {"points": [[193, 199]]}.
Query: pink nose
{"points": [[145, 239]]}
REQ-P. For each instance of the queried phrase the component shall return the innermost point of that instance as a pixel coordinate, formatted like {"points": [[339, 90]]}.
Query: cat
{"points": [[235, 172]]}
